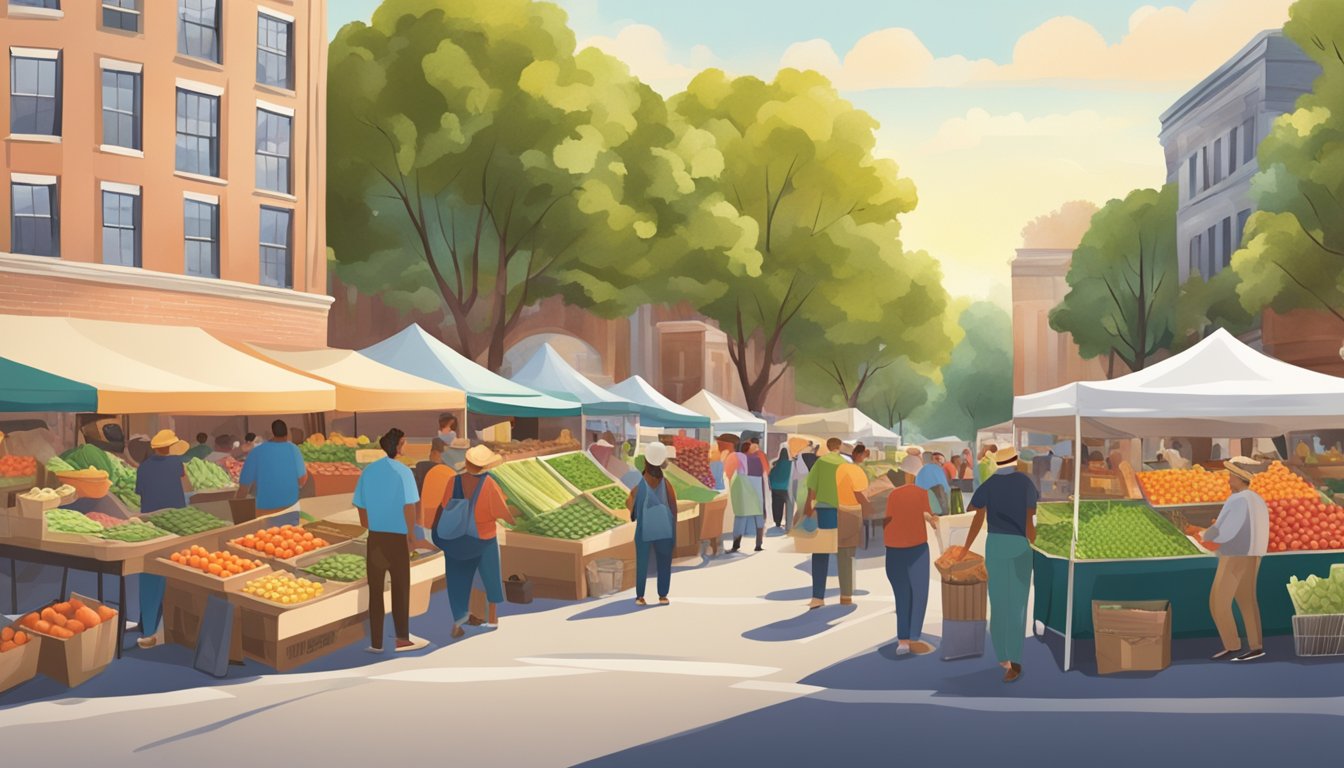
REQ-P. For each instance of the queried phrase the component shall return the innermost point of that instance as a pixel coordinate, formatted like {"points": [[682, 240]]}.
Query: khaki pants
{"points": [[844, 563], [1235, 580]]}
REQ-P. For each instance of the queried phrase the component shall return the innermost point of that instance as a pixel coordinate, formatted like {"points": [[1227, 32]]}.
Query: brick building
{"points": [[164, 162]]}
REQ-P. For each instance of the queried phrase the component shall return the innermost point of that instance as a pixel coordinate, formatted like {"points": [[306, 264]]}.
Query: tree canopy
{"points": [[978, 378]]}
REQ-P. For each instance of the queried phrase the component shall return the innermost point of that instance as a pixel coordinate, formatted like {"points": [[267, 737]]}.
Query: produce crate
{"points": [[557, 567], [714, 519], [19, 665], [1318, 635], [184, 611], [235, 545], [965, 602], [545, 462], [35, 507], [195, 498], [688, 530], [162, 566], [72, 661], [329, 485]]}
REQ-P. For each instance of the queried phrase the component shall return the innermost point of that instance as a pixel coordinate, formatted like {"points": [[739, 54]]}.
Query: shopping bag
{"points": [[819, 542], [457, 518]]}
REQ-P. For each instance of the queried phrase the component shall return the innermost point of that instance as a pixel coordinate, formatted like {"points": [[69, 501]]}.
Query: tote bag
{"points": [[457, 518]]}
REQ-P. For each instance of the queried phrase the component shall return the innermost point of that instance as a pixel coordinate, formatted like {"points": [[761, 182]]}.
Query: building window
{"points": [[1204, 161], [274, 40], [1217, 160], [1248, 140], [35, 95], [121, 109], [275, 236], [198, 29], [1210, 252], [1193, 257], [1191, 186], [54, 5], [197, 133], [1232, 152], [273, 132], [35, 223], [121, 14], [1241, 225], [1227, 241], [200, 226], [121, 229]]}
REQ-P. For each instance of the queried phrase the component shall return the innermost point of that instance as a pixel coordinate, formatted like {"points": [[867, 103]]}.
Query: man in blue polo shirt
{"points": [[388, 504], [277, 470]]}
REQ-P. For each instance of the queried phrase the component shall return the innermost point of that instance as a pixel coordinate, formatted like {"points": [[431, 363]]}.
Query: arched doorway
{"points": [[581, 355]]}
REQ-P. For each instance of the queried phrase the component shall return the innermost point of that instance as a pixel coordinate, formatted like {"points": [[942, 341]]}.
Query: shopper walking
{"points": [[781, 479], [478, 552], [161, 481], [850, 482], [757, 469], [743, 500], [386, 500], [823, 502], [1241, 532], [1007, 500], [277, 471], [907, 545], [653, 508]]}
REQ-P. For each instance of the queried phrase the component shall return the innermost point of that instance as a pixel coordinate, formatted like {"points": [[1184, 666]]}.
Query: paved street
{"points": [[734, 670]]}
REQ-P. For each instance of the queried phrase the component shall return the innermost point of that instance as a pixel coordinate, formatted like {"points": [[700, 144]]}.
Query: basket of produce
{"points": [[967, 570], [692, 456], [185, 521], [1318, 623], [35, 501], [218, 571], [1115, 530], [19, 649], [78, 638], [323, 450], [281, 542], [88, 483], [281, 590], [345, 567], [69, 525], [330, 478]]}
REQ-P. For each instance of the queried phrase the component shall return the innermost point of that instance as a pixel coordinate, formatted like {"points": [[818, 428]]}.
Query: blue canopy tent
{"points": [[416, 352], [548, 372], [656, 410], [27, 389]]}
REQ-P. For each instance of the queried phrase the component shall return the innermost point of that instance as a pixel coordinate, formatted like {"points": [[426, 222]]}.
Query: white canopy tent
{"points": [[723, 415], [846, 424], [1218, 388]]}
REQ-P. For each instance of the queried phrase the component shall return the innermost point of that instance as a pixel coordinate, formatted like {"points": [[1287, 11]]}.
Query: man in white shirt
{"points": [[1242, 535]]}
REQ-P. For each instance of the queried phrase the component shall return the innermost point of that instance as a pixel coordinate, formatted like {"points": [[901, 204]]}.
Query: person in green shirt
{"points": [[823, 501], [985, 468], [200, 450]]}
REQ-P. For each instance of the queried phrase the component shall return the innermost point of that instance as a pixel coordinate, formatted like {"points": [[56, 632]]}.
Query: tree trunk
{"points": [[1110, 365]]}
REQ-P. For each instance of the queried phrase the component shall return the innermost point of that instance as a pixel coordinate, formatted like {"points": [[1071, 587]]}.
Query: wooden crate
{"points": [[688, 530], [557, 567]]}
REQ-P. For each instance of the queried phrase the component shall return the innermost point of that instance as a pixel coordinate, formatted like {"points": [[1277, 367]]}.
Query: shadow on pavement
{"points": [[613, 609], [805, 593], [798, 627]]}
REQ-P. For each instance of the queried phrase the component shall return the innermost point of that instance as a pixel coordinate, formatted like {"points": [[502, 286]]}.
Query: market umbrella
{"points": [[656, 410]]}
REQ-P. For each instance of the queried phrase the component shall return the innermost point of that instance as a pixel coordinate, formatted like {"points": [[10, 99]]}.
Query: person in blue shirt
{"points": [[277, 470], [933, 478], [388, 502], [161, 481], [653, 508]]}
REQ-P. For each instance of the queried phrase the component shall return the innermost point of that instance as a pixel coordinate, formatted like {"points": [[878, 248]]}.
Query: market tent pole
{"points": [[1073, 542]]}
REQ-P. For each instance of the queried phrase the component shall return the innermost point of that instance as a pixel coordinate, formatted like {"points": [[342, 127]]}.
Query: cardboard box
{"points": [[184, 611], [266, 641], [965, 602], [1132, 635], [71, 662], [19, 665]]}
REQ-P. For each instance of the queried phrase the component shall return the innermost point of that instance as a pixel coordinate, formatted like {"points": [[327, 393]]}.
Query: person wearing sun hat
{"points": [[479, 554], [1007, 500], [161, 481], [1241, 532], [653, 508]]}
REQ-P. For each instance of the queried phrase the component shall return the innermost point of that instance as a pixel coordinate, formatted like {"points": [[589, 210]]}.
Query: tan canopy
{"points": [[364, 385]]}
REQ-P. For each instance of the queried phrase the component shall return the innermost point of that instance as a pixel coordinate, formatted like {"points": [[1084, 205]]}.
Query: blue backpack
{"points": [[456, 520]]}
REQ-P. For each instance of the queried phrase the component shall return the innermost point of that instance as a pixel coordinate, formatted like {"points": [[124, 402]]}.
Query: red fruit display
{"points": [[233, 466], [693, 457], [1305, 524]]}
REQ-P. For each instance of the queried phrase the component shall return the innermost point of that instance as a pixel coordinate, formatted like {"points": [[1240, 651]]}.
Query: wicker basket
{"points": [[1321, 635]]}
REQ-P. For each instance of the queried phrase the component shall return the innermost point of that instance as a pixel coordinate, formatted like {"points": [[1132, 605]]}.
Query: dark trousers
{"points": [[821, 566], [662, 555], [389, 555], [908, 572], [780, 502]]}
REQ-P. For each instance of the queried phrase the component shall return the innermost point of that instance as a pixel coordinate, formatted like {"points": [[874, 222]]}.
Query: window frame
{"points": [[217, 29], [1233, 137], [213, 140], [266, 249], [137, 110], [135, 227], [53, 215], [41, 56], [120, 11], [41, 4], [265, 15], [211, 239], [285, 161]]}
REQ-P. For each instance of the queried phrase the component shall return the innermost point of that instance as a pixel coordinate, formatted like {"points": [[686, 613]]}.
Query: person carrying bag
{"points": [[464, 529], [652, 505]]}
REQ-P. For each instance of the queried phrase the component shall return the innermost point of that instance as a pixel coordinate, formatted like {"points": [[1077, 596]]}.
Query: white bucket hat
{"points": [[655, 455]]}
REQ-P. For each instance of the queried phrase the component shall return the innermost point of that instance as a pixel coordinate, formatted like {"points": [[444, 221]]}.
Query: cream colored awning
{"points": [[364, 385], [141, 368]]}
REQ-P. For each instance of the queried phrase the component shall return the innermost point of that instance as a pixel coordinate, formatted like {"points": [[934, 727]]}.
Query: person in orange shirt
{"points": [[436, 481], [850, 481], [908, 558], [471, 555]]}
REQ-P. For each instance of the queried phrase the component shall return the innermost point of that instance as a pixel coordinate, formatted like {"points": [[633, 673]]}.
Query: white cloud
{"points": [[960, 133], [646, 52]]}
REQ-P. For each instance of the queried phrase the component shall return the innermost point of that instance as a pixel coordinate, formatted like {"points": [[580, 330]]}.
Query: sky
{"points": [[999, 111]]}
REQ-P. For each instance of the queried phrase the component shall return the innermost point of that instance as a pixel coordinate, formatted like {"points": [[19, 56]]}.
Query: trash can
{"points": [[605, 576]]}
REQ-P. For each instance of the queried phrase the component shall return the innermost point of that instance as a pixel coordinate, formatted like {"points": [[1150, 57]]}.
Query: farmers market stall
{"points": [[723, 415], [656, 410], [846, 424], [547, 372], [1219, 388]]}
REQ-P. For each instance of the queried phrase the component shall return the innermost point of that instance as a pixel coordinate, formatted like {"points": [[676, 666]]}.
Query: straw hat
{"points": [[481, 456], [655, 455], [1006, 456], [179, 448], [165, 438], [1239, 466], [911, 465]]}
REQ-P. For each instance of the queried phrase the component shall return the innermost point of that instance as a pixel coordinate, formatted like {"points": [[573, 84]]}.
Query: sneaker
{"points": [[371, 649], [664, 601], [1259, 653], [413, 643], [921, 648], [1224, 654], [641, 601], [150, 641]]}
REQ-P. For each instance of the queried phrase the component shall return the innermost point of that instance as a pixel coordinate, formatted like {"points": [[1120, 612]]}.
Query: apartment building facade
{"points": [[163, 161]]}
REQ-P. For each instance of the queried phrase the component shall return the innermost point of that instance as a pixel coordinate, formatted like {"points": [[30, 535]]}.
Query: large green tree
{"points": [[1123, 282], [1293, 252], [797, 160], [895, 392], [477, 162], [977, 387]]}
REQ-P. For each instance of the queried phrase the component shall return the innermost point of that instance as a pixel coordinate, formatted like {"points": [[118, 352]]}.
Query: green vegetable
{"points": [[530, 487], [186, 521], [207, 476], [71, 521], [133, 532], [579, 470], [1111, 530], [613, 497], [57, 464], [577, 520], [340, 567], [328, 452], [1317, 596], [89, 456]]}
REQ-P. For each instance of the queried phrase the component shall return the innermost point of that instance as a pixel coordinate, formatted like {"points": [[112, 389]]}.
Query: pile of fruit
{"points": [[530, 487], [46, 494], [693, 456], [66, 619], [333, 468], [186, 521], [340, 567], [320, 449], [1173, 487], [107, 521], [1317, 596], [207, 476], [1305, 524], [70, 521], [579, 471], [11, 638], [1115, 530], [612, 497], [220, 564], [88, 456], [1279, 482], [282, 542], [133, 532], [17, 467], [233, 466], [283, 588], [577, 520]]}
